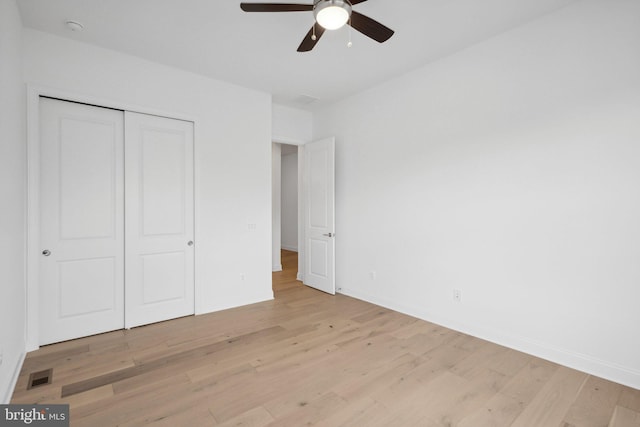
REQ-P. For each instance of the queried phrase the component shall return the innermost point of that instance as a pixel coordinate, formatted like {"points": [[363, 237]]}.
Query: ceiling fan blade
{"points": [[353, 2], [275, 7], [370, 27], [308, 43]]}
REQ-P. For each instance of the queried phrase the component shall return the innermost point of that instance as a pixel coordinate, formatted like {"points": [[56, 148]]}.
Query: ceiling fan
{"points": [[329, 15]]}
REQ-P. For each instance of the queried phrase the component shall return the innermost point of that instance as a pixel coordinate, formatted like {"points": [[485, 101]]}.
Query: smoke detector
{"points": [[74, 26]]}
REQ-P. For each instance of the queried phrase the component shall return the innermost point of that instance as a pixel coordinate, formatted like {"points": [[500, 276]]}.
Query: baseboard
{"points": [[239, 302], [276, 267], [585, 363], [289, 248], [299, 277], [14, 379]]}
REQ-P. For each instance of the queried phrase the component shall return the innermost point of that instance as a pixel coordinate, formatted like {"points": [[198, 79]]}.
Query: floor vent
{"points": [[40, 378]]}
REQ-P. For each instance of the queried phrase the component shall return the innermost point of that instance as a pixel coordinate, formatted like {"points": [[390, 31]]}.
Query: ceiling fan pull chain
{"points": [[313, 35], [349, 44]]}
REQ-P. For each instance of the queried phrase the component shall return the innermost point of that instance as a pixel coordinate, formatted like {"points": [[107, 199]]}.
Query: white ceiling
{"points": [[258, 50]]}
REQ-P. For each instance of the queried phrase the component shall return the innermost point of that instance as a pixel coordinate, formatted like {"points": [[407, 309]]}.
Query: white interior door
{"points": [[81, 220], [319, 182], [159, 222]]}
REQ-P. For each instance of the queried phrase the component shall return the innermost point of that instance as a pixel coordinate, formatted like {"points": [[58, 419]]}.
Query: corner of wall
{"points": [[13, 380], [581, 362], [12, 188]]}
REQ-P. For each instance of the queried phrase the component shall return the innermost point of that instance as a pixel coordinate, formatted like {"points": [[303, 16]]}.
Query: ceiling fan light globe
{"points": [[332, 14]]}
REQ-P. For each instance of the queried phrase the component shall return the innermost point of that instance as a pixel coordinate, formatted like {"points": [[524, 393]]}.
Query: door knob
{"points": [[329, 234], [190, 243], [46, 252]]}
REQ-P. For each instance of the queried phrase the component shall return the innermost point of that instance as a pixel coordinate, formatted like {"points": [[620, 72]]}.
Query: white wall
{"points": [[276, 197], [233, 191], [289, 202], [291, 125], [12, 193], [509, 171]]}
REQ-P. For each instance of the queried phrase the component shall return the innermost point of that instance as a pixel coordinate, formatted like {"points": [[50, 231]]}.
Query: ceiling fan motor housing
{"points": [[341, 8]]}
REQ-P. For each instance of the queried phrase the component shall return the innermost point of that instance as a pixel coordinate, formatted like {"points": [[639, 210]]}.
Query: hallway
{"points": [[286, 279]]}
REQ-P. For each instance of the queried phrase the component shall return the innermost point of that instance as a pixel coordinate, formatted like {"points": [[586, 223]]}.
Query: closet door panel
{"points": [[159, 221], [81, 194]]}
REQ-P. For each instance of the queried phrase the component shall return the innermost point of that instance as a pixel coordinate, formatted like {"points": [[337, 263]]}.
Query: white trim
{"points": [[288, 141], [197, 301], [301, 213], [276, 205], [581, 362], [276, 267], [66, 95], [34, 92], [289, 248], [238, 302], [33, 223], [14, 379], [25, 249]]}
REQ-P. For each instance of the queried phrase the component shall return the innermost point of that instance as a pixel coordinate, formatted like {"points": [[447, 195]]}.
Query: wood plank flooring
{"points": [[308, 358]]}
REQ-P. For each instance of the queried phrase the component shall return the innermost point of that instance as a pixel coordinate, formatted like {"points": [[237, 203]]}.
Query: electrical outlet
{"points": [[457, 295], [242, 276], [373, 275]]}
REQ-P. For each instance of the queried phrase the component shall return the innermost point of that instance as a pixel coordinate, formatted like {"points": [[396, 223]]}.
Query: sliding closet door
{"points": [[159, 223], [81, 220]]}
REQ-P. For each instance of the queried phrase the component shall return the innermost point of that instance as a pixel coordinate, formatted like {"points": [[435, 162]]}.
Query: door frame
{"points": [[34, 92], [301, 200]]}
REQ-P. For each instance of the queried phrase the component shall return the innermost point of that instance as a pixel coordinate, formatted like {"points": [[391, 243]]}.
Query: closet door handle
{"points": [[46, 252], [190, 243]]}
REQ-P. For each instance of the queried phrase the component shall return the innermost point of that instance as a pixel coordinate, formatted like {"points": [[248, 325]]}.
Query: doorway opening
{"points": [[316, 212], [286, 278], [286, 209]]}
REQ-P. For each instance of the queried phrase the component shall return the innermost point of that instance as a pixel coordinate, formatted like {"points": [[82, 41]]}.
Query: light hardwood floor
{"points": [[308, 358]]}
